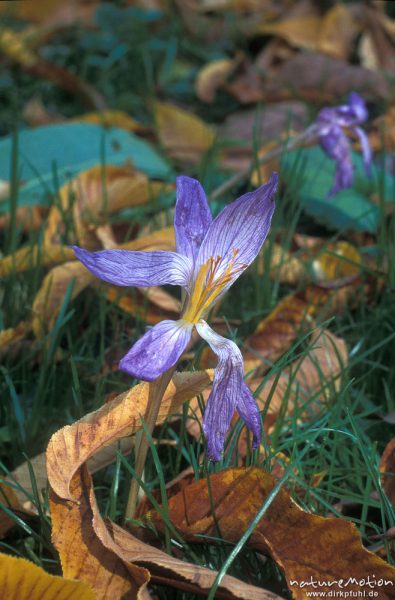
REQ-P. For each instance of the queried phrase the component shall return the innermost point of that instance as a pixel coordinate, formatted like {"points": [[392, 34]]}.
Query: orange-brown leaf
{"points": [[83, 556], [305, 546], [49, 298], [73, 445], [184, 135], [24, 580], [94, 195]]}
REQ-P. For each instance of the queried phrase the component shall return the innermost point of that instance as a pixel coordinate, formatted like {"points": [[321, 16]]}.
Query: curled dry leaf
{"points": [[387, 470], [115, 562], [184, 135], [94, 195], [24, 580], [73, 445], [212, 77], [83, 556], [50, 296], [305, 546], [100, 553]]}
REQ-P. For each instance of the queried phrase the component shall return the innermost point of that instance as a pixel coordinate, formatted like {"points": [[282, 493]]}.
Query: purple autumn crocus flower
{"points": [[329, 127], [210, 255]]}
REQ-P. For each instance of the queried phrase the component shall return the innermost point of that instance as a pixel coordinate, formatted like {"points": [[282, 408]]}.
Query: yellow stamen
{"points": [[208, 286]]}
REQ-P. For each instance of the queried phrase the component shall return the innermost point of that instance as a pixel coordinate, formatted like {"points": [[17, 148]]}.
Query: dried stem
{"points": [[156, 392], [306, 135]]}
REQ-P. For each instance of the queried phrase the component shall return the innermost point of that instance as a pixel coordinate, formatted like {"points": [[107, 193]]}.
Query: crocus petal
{"points": [[358, 107], [249, 412], [238, 232], [366, 149], [192, 216], [226, 390], [144, 269], [343, 176], [157, 351]]}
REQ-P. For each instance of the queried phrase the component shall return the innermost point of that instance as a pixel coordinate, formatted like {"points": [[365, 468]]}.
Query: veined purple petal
{"points": [[157, 351], [192, 216], [249, 412], [238, 232], [357, 107], [144, 269], [226, 391], [366, 148]]}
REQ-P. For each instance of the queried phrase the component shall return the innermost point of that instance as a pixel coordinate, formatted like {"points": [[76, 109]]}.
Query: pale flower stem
{"points": [[156, 392], [305, 136]]}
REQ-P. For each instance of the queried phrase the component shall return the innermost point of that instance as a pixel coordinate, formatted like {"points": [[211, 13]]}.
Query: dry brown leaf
{"points": [[184, 135], [276, 334], [337, 32], [305, 546], [10, 336], [30, 256], [318, 78], [212, 77], [49, 298], [387, 470], [101, 553], [82, 554], [113, 560], [383, 132], [284, 266], [92, 196], [332, 34], [377, 46], [75, 444], [162, 239], [301, 31], [28, 218], [24, 580], [337, 263], [50, 12]]}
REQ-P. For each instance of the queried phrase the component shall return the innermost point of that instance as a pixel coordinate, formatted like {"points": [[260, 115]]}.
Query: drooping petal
{"points": [[192, 216], [249, 412], [226, 390], [236, 235], [135, 268], [366, 148], [343, 179], [157, 351], [358, 108]]}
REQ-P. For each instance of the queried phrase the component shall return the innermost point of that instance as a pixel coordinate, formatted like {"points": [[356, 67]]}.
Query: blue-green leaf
{"points": [[50, 155]]}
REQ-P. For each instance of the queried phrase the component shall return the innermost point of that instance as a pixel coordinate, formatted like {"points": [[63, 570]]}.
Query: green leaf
{"points": [[48, 156], [310, 174]]}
